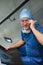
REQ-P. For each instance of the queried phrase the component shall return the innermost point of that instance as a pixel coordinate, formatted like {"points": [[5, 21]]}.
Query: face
{"points": [[25, 23]]}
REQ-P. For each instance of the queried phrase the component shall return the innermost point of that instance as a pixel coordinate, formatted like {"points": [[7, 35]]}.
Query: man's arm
{"points": [[15, 45], [38, 35]]}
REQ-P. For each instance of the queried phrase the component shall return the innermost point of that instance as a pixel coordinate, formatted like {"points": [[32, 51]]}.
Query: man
{"points": [[30, 46]]}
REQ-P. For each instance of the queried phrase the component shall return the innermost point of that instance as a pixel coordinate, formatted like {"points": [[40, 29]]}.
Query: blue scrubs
{"points": [[32, 51]]}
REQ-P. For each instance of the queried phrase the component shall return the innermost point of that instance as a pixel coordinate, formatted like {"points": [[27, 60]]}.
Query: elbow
{"points": [[41, 42]]}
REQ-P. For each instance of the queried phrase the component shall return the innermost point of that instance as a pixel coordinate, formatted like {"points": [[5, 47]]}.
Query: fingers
{"points": [[7, 48], [32, 23]]}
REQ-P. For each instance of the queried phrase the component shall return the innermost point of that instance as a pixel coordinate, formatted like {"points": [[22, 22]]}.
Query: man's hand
{"points": [[7, 48], [32, 23]]}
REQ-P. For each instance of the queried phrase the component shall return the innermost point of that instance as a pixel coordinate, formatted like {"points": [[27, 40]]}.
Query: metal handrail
{"points": [[22, 4]]}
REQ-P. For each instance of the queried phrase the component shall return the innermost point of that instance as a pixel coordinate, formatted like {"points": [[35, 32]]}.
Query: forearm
{"points": [[17, 44], [38, 35]]}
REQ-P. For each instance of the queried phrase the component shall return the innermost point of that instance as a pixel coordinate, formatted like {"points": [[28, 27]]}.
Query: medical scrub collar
{"points": [[25, 31]]}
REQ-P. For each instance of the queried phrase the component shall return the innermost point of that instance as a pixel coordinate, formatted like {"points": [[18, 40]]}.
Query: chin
{"points": [[26, 28]]}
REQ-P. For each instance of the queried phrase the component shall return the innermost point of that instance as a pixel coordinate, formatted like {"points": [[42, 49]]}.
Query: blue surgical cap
{"points": [[25, 13]]}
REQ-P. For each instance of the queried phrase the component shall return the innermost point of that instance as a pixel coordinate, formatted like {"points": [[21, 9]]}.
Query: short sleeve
{"points": [[22, 36]]}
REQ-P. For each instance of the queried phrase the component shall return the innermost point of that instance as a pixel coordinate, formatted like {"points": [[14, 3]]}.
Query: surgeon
{"points": [[30, 46]]}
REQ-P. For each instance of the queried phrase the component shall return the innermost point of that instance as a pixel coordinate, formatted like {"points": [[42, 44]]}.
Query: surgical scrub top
{"points": [[32, 51]]}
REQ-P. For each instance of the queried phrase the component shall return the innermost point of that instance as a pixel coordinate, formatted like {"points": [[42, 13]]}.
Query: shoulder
{"points": [[39, 27], [22, 35]]}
